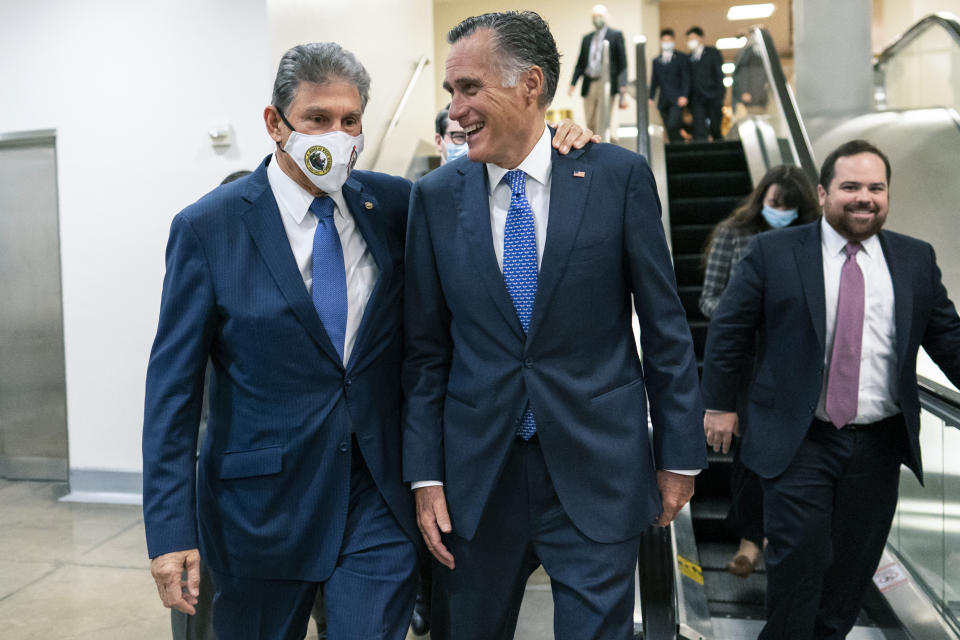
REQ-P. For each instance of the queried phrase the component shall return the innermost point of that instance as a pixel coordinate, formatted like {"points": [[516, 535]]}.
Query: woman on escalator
{"points": [[783, 198]]}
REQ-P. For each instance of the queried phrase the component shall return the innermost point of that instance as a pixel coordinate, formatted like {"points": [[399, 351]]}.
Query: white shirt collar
{"points": [[293, 199], [834, 243], [537, 164]]}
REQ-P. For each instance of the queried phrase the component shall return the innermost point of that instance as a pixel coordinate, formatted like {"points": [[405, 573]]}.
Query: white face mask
{"points": [[455, 151], [666, 46], [693, 44], [326, 158]]}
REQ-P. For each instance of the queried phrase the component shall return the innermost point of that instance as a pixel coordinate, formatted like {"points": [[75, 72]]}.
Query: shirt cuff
{"points": [[685, 472], [425, 483]]}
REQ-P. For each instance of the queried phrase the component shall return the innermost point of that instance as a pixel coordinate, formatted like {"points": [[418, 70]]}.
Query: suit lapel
{"points": [[263, 222], [899, 265], [471, 194], [568, 195], [357, 200], [809, 257]]}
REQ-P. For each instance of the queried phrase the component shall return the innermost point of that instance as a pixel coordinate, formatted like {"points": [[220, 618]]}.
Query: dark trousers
{"points": [[369, 596], [523, 526], [826, 519], [702, 112], [672, 117], [745, 517]]}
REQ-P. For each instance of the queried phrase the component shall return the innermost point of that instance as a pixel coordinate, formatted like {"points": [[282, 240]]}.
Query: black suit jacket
{"points": [[469, 370], [777, 293], [706, 77], [672, 79], [618, 62]]}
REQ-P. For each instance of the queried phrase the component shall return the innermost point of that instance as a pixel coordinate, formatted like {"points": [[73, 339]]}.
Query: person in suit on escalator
{"points": [[706, 86], [671, 77], [837, 311], [783, 198]]}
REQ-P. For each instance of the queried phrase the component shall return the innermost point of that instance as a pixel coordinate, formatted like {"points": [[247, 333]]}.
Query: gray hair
{"points": [[320, 63], [523, 39]]}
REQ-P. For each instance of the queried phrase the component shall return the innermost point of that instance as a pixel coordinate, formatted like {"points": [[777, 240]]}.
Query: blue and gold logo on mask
{"points": [[318, 160]]}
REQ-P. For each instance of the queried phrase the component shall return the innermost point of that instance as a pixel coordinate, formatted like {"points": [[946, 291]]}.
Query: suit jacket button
{"points": [[347, 382], [529, 363], [344, 446]]}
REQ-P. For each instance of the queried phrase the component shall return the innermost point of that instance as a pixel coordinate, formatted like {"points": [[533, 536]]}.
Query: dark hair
{"points": [[696, 30], [443, 119], [793, 191], [668, 32], [236, 175], [852, 148], [320, 63], [523, 40]]}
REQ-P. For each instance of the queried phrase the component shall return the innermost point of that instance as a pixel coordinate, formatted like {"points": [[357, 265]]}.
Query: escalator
{"points": [[685, 590]]}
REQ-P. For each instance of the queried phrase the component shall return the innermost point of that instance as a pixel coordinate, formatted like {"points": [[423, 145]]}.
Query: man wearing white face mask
{"points": [[450, 138], [706, 86], [289, 280]]}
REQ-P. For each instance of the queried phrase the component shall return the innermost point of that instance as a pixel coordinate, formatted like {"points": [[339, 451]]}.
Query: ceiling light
{"points": [[728, 67], [727, 81], [731, 43], [750, 11]]}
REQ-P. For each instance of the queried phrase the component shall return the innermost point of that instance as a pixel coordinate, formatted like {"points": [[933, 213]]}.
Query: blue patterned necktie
{"points": [[520, 266], [329, 274]]}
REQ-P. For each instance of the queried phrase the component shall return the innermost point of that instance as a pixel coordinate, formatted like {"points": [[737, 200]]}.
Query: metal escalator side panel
{"points": [[915, 609], [693, 612]]}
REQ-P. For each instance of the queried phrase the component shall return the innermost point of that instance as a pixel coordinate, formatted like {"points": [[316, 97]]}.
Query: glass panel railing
{"points": [[926, 529], [765, 111], [921, 69]]}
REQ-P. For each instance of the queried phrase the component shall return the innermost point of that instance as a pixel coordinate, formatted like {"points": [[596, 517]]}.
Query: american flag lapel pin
{"points": [[579, 174]]}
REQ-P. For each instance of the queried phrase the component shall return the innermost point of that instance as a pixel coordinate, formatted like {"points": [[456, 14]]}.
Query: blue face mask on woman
{"points": [[454, 150], [778, 218]]}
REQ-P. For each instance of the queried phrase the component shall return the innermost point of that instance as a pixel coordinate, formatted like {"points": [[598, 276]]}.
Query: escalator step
{"points": [[706, 210], [690, 298], [695, 147], [710, 509], [689, 270], [728, 588], [720, 160], [690, 238], [712, 184]]}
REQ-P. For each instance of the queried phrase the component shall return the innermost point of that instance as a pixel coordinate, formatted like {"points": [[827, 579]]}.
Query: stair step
{"points": [[710, 509], [726, 587], [712, 183], [705, 210], [689, 270], [690, 238], [692, 147], [713, 160]]}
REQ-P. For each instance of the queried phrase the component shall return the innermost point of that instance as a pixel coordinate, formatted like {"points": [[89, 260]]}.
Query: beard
{"points": [[856, 228]]}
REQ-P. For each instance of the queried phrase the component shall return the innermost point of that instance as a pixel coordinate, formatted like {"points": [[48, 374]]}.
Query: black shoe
{"points": [[420, 623]]}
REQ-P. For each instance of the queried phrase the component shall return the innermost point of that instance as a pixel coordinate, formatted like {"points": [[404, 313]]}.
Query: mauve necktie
{"points": [[520, 266], [843, 381], [329, 274]]}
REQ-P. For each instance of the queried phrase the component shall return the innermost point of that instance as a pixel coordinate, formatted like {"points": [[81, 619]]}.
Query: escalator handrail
{"points": [[940, 400], [943, 19], [785, 100]]}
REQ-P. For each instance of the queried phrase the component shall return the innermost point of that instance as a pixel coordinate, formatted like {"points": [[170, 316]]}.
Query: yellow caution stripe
{"points": [[690, 569]]}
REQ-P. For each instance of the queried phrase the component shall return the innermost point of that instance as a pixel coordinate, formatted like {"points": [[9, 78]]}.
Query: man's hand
{"points": [[168, 571], [746, 98], [432, 518], [720, 429], [570, 90], [650, 100], [676, 490], [623, 97], [570, 134], [682, 101]]}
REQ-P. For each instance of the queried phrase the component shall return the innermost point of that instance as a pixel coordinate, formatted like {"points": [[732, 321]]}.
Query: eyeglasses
{"points": [[458, 137]]}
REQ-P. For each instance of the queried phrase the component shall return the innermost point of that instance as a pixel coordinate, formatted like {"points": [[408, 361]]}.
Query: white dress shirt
{"points": [[878, 360], [300, 224], [537, 165]]}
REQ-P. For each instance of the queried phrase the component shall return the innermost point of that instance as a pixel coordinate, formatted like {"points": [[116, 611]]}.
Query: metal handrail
{"points": [[642, 94], [421, 63], [947, 21], [799, 141], [939, 400]]}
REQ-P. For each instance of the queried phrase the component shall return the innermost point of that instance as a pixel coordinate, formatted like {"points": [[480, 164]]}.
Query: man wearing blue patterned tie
{"points": [[525, 430]]}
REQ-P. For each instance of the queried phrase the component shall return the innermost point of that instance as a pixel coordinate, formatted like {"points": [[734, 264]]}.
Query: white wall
{"points": [[569, 21], [131, 89]]}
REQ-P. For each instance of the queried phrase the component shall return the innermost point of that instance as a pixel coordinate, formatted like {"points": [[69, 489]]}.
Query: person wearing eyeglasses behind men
{"points": [[450, 138]]}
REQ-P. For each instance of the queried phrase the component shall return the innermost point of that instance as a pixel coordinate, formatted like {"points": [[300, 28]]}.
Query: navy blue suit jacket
{"points": [[706, 77], [274, 469], [777, 293], [470, 370], [672, 79]]}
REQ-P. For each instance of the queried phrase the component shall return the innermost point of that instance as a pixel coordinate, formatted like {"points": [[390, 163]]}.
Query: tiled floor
{"points": [[76, 571]]}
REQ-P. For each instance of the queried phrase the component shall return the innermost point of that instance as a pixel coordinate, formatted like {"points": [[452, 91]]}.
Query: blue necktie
{"points": [[329, 274], [520, 266]]}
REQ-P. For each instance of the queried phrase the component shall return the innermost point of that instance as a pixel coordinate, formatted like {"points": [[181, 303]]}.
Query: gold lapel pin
{"points": [[579, 174], [368, 205]]}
